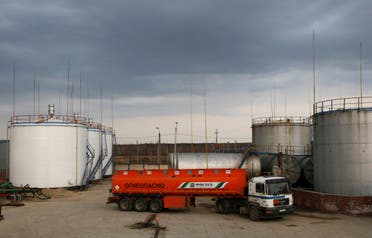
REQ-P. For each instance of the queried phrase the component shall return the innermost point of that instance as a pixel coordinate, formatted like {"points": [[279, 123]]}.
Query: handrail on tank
{"points": [[281, 120], [341, 104], [285, 149], [46, 118]]}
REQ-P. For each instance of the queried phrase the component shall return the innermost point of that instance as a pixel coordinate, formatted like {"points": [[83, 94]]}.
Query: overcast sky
{"points": [[150, 55]]}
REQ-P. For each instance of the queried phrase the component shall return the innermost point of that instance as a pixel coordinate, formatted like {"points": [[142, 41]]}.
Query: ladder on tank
{"points": [[111, 160], [102, 156], [90, 153]]}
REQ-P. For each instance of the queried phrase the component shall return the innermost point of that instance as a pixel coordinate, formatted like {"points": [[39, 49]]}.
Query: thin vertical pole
{"points": [[314, 79], [360, 74], [101, 104], [72, 97], [59, 101], [33, 106], [80, 95], [112, 112], [68, 87], [191, 126], [205, 121], [14, 88], [38, 97]]}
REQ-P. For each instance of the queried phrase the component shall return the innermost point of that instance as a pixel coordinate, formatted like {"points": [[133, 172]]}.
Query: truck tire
{"points": [[222, 206], [254, 214], [125, 204], [140, 205], [155, 205]]}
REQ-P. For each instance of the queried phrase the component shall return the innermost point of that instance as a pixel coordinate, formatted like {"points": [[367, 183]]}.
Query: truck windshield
{"points": [[278, 188]]}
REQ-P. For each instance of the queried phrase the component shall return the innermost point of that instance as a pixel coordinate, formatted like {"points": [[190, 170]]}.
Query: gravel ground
{"points": [[85, 214]]}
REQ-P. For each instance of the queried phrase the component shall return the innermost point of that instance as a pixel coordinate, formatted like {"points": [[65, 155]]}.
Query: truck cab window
{"points": [[259, 188]]}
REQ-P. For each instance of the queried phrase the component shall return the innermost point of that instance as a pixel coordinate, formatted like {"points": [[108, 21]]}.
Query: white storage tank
{"points": [[95, 140], [109, 143], [343, 146], [46, 151], [288, 135]]}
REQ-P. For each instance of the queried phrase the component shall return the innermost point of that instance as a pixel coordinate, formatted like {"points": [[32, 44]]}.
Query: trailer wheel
{"points": [[254, 213], [125, 204], [222, 206], [155, 205], [140, 205]]}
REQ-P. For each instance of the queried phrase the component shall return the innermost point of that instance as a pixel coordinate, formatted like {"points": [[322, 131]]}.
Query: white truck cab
{"points": [[268, 197]]}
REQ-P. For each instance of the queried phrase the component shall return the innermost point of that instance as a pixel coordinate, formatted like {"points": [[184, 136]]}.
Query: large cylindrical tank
{"points": [[47, 153], [288, 135], [343, 147], [281, 165], [307, 169], [252, 166], [95, 140], [108, 137], [198, 160]]}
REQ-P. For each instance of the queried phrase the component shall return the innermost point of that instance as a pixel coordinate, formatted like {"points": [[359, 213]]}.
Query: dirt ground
{"points": [[85, 214]]}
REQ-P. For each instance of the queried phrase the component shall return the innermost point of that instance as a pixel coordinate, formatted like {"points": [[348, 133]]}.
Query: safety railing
{"points": [[45, 118], [284, 149], [341, 104], [281, 120], [20, 119]]}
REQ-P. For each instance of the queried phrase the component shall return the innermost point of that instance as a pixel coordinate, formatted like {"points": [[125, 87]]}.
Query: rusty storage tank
{"points": [[307, 169], [4, 161], [288, 135], [47, 151], [281, 165], [343, 146]]}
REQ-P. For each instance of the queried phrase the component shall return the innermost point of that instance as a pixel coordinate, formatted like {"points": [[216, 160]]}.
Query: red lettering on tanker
{"points": [[145, 185]]}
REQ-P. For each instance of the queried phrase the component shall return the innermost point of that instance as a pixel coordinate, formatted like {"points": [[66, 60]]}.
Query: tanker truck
{"points": [[155, 190]]}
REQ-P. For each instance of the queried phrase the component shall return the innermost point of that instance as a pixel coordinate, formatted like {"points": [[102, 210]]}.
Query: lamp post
{"points": [[175, 157], [159, 147]]}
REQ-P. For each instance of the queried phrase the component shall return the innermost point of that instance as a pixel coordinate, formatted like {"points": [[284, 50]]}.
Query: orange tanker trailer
{"points": [[158, 189]]}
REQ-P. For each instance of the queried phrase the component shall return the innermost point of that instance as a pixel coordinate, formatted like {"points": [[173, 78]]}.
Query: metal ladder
{"points": [[111, 160], [89, 154]]}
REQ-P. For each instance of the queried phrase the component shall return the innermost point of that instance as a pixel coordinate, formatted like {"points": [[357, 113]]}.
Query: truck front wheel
{"points": [[125, 204], [254, 214]]}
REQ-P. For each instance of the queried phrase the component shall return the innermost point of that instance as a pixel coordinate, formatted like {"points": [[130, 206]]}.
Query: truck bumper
{"points": [[276, 211]]}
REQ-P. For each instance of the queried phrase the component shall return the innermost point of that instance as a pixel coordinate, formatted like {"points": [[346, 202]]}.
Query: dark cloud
{"points": [[154, 48]]}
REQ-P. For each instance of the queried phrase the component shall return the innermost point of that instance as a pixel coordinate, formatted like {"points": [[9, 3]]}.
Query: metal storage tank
{"points": [[95, 140], [281, 165], [109, 143], [307, 169], [343, 146], [252, 166], [4, 144], [289, 135], [47, 151], [198, 161]]}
